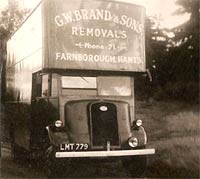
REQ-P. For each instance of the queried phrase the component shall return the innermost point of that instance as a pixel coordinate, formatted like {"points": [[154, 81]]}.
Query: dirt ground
{"points": [[173, 130]]}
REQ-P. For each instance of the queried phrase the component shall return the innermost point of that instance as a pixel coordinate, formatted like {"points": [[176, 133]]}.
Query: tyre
{"points": [[49, 168], [15, 149], [135, 165], [19, 154], [16, 152]]}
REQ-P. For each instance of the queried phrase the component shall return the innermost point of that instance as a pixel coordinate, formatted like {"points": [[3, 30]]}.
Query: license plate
{"points": [[74, 147]]}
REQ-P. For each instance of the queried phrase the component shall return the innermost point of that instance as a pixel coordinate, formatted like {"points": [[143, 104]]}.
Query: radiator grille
{"points": [[103, 124]]}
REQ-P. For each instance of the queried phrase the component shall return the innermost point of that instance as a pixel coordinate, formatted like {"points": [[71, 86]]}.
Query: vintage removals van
{"points": [[70, 82]]}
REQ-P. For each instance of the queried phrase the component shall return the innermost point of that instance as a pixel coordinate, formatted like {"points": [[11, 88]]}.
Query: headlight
{"points": [[58, 123], [138, 122], [133, 142]]}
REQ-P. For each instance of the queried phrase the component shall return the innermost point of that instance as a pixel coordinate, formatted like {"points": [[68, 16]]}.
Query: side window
{"points": [[45, 85]]}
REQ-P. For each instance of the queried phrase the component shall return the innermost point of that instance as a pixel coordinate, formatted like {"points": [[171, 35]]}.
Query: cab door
{"points": [[45, 107]]}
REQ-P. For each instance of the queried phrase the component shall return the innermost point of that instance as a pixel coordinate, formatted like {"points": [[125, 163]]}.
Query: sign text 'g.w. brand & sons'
{"points": [[97, 35]]}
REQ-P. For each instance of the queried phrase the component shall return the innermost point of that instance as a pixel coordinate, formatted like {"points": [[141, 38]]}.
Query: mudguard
{"points": [[57, 136]]}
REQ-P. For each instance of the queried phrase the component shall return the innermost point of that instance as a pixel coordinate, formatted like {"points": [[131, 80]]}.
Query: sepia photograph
{"points": [[99, 89]]}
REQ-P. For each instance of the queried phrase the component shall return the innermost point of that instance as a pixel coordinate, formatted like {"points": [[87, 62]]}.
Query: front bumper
{"points": [[116, 153]]}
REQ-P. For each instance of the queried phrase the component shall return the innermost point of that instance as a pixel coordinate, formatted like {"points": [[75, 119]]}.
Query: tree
{"points": [[174, 60], [156, 40], [184, 54], [186, 49]]}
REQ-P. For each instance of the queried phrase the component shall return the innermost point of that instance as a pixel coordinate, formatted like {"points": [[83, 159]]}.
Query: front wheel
{"points": [[53, 167], [136, 165], [49, 164]]}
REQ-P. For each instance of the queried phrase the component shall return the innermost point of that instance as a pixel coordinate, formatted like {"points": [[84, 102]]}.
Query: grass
{"points": [[173, 130]]}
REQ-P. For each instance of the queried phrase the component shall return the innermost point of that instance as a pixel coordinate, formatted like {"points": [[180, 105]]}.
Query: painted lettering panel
{"points": [[96, 35]]}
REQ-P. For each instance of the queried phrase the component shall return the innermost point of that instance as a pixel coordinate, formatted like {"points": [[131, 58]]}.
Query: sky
{"points": [[162, 8]]}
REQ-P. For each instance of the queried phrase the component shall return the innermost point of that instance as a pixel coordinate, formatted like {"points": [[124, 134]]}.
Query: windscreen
{"points": [[79, 82], [114, 86], [105, 85]]}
